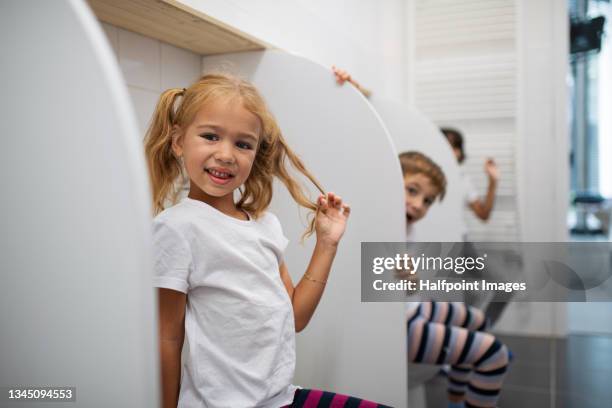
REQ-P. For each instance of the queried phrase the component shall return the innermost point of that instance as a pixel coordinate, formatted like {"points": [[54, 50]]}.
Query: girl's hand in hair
{"points": [[331, 219], [491, 169]]}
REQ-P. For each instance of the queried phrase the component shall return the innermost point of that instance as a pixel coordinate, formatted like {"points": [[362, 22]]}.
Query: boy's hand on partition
{"points": [[341, 75]]}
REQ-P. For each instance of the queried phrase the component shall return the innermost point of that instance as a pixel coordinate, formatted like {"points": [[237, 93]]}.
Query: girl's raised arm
{"points": [[330, 224], [482, 208]]}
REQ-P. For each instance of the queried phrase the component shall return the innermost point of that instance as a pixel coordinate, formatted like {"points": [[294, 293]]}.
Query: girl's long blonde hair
{"points": [[176, 110]]}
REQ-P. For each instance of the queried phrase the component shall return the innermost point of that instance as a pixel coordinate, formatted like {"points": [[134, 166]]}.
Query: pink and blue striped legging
{"points": [[305, 398], [452, 333]]}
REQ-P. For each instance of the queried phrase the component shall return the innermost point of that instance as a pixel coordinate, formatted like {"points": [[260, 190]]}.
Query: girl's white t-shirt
{"points": [[239, 346]]}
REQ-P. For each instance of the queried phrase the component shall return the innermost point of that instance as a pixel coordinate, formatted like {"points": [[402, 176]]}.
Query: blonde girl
{"points": [[228, 308]]}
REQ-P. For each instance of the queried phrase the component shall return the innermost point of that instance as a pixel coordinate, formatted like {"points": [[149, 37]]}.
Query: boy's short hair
{"points": [[417, 163]]}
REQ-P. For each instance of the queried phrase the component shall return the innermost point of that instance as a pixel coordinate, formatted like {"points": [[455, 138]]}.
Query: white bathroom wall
{"points": [[364, 37], [496, 70], [465, 74], [149, 67], [542, 149], [542, 139]]}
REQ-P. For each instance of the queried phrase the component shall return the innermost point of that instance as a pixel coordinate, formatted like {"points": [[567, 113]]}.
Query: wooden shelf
{"points": [[172, 22]]}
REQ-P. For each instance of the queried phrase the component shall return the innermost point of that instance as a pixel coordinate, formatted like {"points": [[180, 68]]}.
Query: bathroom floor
{"points": [[573, 372]]}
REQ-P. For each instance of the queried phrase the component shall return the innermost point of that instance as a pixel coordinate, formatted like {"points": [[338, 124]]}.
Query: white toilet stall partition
{"points": [[348, 347], [76, 296], [411, 130]]}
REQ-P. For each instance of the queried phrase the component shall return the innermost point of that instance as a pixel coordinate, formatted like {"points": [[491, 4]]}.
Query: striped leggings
{"points": [[452, 333], [305, 398]]}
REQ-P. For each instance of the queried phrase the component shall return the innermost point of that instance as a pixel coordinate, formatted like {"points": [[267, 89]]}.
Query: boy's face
{"points": [[420, 195], [457, 153]]}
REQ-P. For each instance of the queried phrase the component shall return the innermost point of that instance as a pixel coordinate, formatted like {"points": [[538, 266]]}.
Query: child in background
{"points": [[225, 292], [424, 181], [481, 208], [449, 333]]}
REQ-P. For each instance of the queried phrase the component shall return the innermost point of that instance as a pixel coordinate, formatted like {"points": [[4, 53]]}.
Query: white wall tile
{"points": [[139, 58], [113, 36], [150, 66], [144, 105], [179, 67]]}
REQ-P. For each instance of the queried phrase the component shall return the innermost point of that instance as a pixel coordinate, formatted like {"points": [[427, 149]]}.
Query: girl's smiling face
{"points": [[420, 195], [218, 149]]}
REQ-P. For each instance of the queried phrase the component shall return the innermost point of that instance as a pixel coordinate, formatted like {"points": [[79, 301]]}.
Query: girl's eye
{"points": [[210, 136], [411, 190], [428, 201], [244, 145]]}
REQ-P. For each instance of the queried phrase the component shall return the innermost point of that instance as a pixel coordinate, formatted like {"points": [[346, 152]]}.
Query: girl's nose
{"points": [[417, 204], [224, 153]]}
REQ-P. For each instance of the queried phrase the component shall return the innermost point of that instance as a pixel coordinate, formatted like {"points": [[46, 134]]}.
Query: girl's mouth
{"points": [[409, 218], [219, 177]]}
